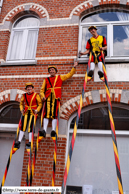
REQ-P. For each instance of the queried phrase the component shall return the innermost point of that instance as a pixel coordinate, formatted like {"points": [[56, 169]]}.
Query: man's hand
{"points": [[59, 99], [44, 99], [84, 53], [22, 111], [35, 112], [75, 63], [80, 53], [101, 48]]}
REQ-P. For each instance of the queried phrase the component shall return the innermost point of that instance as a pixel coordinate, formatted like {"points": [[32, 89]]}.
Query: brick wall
{"points": [[57, 41], [56, 9], [4, 40], [44, 163]]}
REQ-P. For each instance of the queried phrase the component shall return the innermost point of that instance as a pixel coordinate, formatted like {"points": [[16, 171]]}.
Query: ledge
{"points": [[17, 63], [107, 60]]}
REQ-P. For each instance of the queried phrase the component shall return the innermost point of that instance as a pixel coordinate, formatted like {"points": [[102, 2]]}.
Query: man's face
{"points": [[29, 89], [52, 72], [93, 31]]}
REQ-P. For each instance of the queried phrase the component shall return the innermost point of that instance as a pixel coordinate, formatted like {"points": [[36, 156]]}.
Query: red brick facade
{"points": [[44, 163]]}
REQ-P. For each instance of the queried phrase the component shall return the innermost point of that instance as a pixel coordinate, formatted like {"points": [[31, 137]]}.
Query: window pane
{"points": [[106, 16], [121, 40], [10, 114], [31, 44], [122, 16], [87, 35], [98, 119], [16, 45], [27, 22]]}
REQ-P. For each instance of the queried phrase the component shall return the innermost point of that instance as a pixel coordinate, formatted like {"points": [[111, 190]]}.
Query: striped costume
{"points": [[51, 90], [93, 44], [29, 102]]}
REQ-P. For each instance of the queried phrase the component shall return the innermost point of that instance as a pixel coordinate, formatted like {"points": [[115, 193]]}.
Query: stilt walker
{"points": [[75, 128], [51, 93], [119, 179], [112, 125], [95, 44], [30, 105]]}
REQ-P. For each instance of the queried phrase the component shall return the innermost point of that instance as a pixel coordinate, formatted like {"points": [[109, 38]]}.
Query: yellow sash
{"points": [[29, 107]]}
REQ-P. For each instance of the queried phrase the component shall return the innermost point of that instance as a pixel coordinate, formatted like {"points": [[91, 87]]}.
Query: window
{"points": [[114, 26], [93, 162], [23, 40], [10, 114], [98, 119]]}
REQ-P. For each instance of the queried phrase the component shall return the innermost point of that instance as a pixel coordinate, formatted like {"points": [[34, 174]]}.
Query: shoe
{"points": [[90, 75], [42, 133], [89, 78], [53, 134], [101, 75], [28, 144], [17, 144]]}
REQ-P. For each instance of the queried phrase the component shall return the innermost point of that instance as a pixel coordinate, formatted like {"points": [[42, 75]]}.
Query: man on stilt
{"points": [[51, 95], [30, 105], [95, 44]]}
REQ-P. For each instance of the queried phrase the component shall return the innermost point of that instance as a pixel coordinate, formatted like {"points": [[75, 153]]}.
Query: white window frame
{"points": [[4, 127], [109, 25], [1, 3], [25, 31]]}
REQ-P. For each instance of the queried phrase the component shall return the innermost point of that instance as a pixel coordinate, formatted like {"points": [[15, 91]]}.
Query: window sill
{"points": [[17, 63], [8, 127], [107, 60]]}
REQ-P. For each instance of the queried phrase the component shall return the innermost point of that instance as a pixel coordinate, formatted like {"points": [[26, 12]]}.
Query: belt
{"points": [[29, 108], [52, 89]]}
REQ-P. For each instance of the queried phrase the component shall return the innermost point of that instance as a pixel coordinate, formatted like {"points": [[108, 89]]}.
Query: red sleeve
{"points": [[104, 41], [88, 46]]}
